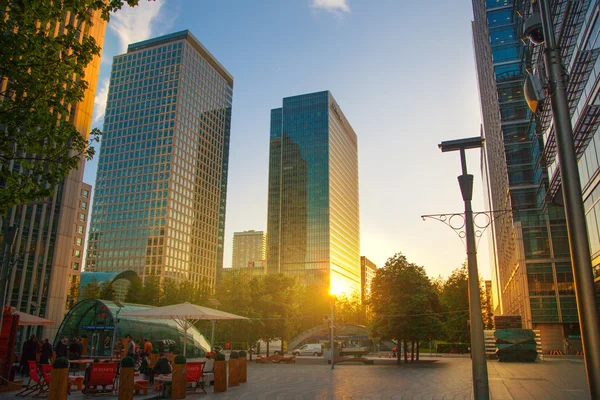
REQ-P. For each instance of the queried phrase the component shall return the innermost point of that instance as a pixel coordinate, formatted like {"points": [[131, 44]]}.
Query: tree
{"points": [[404, 303], [134, 292], [350, 310], [42, 79], [92, 290], [107, 291], [455, 300], [150, 294]]}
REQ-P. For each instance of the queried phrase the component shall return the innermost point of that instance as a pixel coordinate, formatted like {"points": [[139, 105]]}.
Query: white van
{"points": [[311, 349]]}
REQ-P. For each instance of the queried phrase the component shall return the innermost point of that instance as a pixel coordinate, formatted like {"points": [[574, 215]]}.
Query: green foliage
{"points": [[60, 362], [107, 291], [220, 357], [242, 353], [350, 310], [128, 362], [180, 359], [92, 290], [455, 300], [404, 301], [39, 144], [84, 336], [151, 292], [234, 355], [134, 292]]}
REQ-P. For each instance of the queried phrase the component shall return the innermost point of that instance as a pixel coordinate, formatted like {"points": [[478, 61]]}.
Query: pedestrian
{"points": [[74, 350], [62, 348], [28, 353], [46, 352], [130, 347], [147, 347], [79, 347]]}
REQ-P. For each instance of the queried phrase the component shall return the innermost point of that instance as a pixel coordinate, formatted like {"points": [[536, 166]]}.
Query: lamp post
{"points": [[478, 360], [572, 195]]}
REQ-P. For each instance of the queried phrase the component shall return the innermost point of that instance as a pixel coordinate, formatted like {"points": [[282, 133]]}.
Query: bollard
{"points": [[59, 379], [220, 370], [126, 374], [243, 367], [178, 382], [234, 369]]}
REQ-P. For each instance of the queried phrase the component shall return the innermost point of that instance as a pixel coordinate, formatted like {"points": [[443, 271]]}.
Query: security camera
{"points": [[532, 29]]}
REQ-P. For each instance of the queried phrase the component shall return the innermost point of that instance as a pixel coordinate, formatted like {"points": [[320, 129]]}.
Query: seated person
{"points": [[162, 365]]}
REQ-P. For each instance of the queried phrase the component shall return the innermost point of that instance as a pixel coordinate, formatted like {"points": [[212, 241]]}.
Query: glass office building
{"points": [[161, 185], [313, 214], [532, 273]]}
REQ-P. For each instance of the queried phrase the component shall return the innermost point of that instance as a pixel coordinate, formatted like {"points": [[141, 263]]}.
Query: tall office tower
{"points": [[368, 269], [46, 239], [313, 218], [161, 185], [248, 246], [533, 275]]}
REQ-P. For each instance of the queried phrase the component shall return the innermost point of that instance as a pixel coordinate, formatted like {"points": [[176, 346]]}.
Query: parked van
{"points": [[311, 349]]}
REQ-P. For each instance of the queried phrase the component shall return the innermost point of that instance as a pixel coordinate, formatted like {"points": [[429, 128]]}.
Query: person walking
{"points": [[74, 350], [46, 352]]}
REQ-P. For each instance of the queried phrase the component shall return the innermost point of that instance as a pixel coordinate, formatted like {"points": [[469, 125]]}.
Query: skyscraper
{"points": [[368, 270], [248, 246], [533, 275], [313, 211], [48, 230], [161, 185]]}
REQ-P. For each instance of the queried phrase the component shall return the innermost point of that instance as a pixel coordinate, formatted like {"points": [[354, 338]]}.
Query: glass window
{"points": [[80, 229], [85, 193], [78, 241]]}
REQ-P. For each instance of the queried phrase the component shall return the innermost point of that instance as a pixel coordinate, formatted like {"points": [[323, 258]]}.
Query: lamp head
{"points": [[532, 28]]}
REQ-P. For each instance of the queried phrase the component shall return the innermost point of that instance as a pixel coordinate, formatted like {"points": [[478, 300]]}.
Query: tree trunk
{"points": [[418, 348], [398, 352], [268, 342], [405, 352], [412, 350]]}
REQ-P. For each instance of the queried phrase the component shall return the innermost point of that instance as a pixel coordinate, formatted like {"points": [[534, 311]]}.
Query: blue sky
{"points": [[403, 73]]}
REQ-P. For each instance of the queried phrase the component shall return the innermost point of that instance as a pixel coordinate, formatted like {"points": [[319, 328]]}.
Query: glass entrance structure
{"points": [[96, 319]]}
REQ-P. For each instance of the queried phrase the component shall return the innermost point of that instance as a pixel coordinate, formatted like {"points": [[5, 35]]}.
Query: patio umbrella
{"points": [[32, 320], [185, 315]]}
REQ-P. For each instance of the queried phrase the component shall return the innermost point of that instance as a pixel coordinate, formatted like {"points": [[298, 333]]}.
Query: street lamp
{"points": [[572, 195], [478, 360]]}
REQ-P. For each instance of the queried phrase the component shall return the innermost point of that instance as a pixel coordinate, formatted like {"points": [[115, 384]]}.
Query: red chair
{"points": [[40, 384], [101, 374], [195, 375]]}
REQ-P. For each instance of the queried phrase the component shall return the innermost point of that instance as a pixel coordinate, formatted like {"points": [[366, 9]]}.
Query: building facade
{"points": [[161, 185], [368, 269], [313, 210], [46, 238], [532, 275], [248, 246]]}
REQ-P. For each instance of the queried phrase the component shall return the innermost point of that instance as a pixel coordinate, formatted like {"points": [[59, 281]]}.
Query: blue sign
{"points": [[97, 328]]}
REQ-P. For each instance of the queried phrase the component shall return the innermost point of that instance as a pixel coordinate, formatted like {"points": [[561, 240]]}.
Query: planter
{"points": [[243, 366], [126, 383], [220, 370], [234, 372], [59, 380], [84, 346], [178, 383]]}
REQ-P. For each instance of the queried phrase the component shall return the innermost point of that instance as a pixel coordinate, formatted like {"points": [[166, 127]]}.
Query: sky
{"points": [[403, 73]]}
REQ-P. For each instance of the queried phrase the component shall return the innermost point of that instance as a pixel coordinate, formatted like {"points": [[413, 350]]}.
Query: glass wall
{"points": [[96, 319]]}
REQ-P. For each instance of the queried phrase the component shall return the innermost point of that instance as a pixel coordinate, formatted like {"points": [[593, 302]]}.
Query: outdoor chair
{"points": [[103, 375], [47, 375], [195, 375], [40, 385]]}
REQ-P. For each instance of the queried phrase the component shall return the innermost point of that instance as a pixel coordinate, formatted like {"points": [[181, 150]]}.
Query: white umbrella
{"points": [[185, 315], [32, 320]]}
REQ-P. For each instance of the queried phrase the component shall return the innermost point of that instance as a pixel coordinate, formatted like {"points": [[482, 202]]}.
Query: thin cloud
{"points": [[334, 6], [134, 24], [100, 101]]}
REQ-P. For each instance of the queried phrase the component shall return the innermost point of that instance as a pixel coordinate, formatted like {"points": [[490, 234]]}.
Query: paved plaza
{"points": [[433, 378]]}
